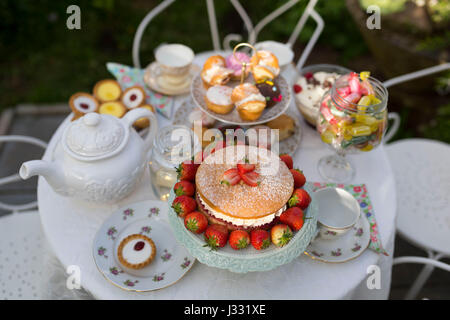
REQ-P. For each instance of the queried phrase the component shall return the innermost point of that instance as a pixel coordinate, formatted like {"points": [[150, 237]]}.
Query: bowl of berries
{"points": [[243, 209]]}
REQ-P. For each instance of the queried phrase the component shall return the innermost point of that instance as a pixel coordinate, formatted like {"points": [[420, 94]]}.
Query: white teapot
{"points": [[100, 158]]}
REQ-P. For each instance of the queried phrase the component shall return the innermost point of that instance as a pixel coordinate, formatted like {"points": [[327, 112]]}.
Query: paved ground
{"points": [[40, 126]]}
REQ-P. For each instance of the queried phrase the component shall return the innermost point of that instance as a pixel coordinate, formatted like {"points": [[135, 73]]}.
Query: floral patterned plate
{"points": [[343, 248], [149, 218]]}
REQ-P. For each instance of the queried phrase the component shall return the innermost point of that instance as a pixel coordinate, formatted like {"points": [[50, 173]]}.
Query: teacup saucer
{"points": [[344, 248], [154, 80]]}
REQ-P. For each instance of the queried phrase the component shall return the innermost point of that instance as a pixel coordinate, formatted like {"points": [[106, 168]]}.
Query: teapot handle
{"points": [[138, 113]]}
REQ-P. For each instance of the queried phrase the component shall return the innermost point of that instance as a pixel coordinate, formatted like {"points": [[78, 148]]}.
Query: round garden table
{"points": [[70, 228]]}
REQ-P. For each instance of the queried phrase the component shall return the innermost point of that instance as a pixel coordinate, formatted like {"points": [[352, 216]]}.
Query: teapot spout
{"points": [[50, 171]]}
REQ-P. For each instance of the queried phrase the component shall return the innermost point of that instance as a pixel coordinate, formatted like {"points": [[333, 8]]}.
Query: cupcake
{"points": [[218, 99], [136, 251], [270, 91], [250, 103]]}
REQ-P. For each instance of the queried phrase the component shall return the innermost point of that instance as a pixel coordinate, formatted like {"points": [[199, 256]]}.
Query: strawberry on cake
{"points": [[243, 187]]}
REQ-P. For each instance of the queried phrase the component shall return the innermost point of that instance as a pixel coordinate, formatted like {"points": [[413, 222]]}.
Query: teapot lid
{"points": [[95, 137]]}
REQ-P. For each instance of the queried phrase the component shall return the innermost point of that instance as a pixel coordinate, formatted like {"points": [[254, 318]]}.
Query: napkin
{"points": [[128, 76], [359, 191]]}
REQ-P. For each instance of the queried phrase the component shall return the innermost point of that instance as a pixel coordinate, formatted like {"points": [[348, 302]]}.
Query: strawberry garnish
{"points": [[287, 159], [184, 205], [239, 239], [187, 170], [293, 217], [245, 167], [196, 222], [231, 177], [297, 88], [184, 188], [251, 178], [299, 178], [216, 236], [281, 234], [300, 198], [260, 239]]}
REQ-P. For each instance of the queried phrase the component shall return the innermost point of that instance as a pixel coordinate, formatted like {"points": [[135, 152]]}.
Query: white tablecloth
{"points": [[71, 226]]}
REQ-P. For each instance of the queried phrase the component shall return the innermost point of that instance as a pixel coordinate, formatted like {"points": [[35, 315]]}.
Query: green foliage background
{"points": [[43, 61]]}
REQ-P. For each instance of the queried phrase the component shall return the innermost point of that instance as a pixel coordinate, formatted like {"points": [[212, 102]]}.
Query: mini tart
{"points": [[136, 251], [239, 202], [218, 99], [285, 124], [113, 108], [133, 97], [143, 123], [107, 90], [250, 103], [82, 103]]}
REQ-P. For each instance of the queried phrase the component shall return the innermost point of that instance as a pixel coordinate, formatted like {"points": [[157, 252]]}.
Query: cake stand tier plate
{"points": [[198, 93], [248, 259]]}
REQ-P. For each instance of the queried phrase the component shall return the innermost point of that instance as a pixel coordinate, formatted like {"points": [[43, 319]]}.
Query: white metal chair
{"points": [[252, 31], [425, 227], [423, 202]]}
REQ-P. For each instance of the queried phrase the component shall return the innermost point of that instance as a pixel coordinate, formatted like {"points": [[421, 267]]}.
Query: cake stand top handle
{"points": [[244, 64]]}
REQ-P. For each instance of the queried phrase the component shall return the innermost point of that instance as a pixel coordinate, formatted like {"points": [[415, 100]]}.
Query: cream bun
{"points": [[218, 99]]}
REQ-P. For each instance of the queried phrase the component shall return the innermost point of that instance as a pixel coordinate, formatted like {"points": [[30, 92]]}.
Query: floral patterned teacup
{"points": [[338, 212]]}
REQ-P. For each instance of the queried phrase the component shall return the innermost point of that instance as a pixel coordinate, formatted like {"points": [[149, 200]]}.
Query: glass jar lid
{"points": [[94, 137]]}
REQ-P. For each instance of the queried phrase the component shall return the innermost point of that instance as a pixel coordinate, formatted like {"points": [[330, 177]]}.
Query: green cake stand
{"points": [[248, 259]]}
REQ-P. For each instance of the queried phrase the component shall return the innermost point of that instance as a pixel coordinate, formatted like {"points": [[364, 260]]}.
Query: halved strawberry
{"points": [[260, 239], [239, 239], [300, 198], [184, 205], [196, 222], [251, 178], [245, 167], [231, 177], [299, 178], [185, 188], [216, 236], [288, 160], [281, 234], [293, 217]]}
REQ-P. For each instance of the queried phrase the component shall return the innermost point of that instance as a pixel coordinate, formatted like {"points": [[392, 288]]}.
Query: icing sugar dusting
{"points": [[274, 189]]}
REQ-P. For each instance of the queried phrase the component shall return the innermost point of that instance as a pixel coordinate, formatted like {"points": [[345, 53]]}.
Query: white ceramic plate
{"points": [[149, 218], [344, 248], [288, 145], [198, 93]]}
